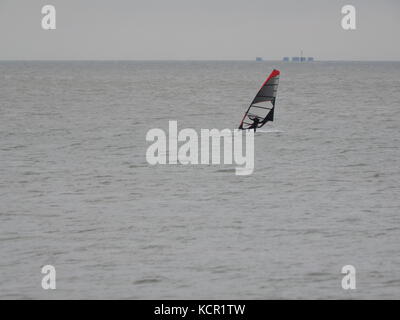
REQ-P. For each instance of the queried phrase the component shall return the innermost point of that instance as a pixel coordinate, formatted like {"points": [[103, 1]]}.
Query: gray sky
{"points": [[199, 29]]}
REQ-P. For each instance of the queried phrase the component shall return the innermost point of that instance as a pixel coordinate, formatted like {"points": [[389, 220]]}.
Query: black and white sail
{"points": [[261, 110]]}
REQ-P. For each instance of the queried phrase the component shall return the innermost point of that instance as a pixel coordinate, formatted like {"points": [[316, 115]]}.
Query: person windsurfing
{"points": [[261, 109], [255, 123]]}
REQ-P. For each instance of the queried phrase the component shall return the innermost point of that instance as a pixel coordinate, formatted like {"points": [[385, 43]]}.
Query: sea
{"points": [[77, 192]]}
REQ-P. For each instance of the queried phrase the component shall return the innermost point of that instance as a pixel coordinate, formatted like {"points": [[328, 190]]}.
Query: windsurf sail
{"points": [[261, 110]]}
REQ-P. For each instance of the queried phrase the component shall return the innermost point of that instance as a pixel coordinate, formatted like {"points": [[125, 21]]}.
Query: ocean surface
{"points": [[76, 191]]}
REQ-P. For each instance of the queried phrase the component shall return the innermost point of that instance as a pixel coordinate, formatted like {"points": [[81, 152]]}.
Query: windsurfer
{"points": [[254, 125], [261, 109]]}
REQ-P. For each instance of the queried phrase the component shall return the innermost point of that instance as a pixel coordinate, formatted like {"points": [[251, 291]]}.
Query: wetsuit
{"points": [[254, 124]]}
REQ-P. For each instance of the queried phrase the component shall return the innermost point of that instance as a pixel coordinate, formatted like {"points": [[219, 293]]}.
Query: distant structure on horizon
{"points": [[259, 59], [298, 59]]}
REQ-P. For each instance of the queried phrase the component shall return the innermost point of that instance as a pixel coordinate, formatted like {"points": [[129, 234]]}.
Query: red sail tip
{"points": [[274, 73]]}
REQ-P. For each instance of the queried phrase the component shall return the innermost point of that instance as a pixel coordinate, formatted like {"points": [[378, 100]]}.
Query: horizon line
{"points": [[203, 60]]}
